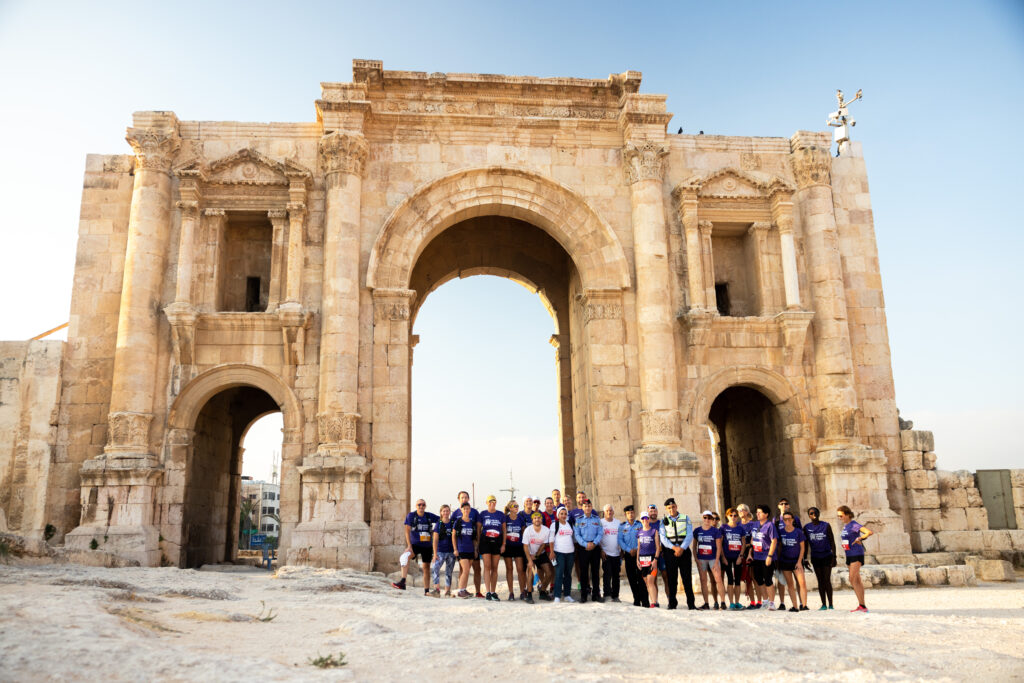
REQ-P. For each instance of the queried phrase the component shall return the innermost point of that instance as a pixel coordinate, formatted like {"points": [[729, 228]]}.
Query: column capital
{"points": [[705, 227], [811, 162], [337, 431], [189, 208], [277, 214], [644, 161], [759, 227], [784, 224], [296, 209], [154, 147], [600, 304], [215, 213], [392, 304], [342, 152]]}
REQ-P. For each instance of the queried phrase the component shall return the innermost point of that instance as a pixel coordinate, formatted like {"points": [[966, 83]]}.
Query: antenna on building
{"points": [[843, 122], [511, 486], [275, 462]]}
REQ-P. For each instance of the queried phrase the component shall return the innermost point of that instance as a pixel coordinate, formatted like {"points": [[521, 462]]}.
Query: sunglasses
{"points": [[708, 517]]}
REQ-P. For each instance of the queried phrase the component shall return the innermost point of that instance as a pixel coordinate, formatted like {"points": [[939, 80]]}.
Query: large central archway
{"points": [[520, 225]]}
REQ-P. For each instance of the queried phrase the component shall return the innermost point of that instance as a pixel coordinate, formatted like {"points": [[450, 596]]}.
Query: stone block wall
{"points": [[1017, 484], [30, 373]]}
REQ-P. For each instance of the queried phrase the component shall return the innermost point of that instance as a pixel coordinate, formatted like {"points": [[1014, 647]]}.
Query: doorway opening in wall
{"points": [[751, 462], [485, 399], [232, 501]]}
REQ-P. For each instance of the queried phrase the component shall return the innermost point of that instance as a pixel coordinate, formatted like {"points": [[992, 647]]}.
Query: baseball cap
{"points": [[645, 516], [707, 513], [490, 498]]}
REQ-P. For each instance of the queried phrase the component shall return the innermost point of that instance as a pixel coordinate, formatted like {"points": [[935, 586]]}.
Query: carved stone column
{"points": [[707, 258], [782, 215], [655, 319], [296, 230], [847, 471], [343, 156], [278, 253], [758, 233], [833, 356], [687, 206], [182, 313], [118, 487]]}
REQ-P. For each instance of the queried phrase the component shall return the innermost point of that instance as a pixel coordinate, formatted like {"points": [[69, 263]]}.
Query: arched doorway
{"points": [[206, 427], [751, 458], [520, 225], [213, 477]]}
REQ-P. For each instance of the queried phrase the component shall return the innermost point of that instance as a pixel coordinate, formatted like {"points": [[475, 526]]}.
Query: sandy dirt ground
{"points": [[69, 623]]}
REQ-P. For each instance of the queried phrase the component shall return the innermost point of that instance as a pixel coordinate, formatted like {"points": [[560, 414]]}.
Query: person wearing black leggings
{"points": [[823, 554]]}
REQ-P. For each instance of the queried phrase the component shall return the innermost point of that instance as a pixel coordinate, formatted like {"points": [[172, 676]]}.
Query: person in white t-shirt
{"points": [[562, 554], [536, 540], [611, 559]]}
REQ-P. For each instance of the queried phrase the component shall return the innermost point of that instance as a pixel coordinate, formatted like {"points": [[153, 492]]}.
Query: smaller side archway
{"points": [[203, 460], [758, 446]]}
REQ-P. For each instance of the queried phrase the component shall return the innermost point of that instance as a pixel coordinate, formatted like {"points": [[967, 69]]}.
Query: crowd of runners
{"points": [[758, 556]]}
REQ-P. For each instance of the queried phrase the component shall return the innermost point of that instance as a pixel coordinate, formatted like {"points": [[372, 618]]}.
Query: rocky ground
{"points": [[69, 622]]}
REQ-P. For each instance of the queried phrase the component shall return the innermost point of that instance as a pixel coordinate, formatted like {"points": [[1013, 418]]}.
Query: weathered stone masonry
{"points": [[721, 332]]}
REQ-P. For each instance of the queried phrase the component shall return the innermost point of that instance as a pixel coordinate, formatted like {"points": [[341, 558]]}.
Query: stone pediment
{"points": [[733, 183], [249, 167]]}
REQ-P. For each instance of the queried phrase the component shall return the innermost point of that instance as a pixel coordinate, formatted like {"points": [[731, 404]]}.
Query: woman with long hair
{"points": [[853, 535]]}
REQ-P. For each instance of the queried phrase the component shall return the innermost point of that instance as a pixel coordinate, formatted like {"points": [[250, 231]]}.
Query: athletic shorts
{"points": [[787, 566], [490, 546], [425, 553], [514, 551], [706, 565], [541, 560], [762, 572], [850, 559], [651, 569]]}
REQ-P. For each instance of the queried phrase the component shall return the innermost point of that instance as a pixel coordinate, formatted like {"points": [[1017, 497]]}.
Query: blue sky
{"points": [[938, 125]]}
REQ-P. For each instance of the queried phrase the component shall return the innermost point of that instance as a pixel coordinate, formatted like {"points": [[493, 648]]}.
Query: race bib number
{"points": [[424, 538], [512, 536], [757, 545], [492, 533], [846, 544], [735, 545], [645, 560], [703, 549]]}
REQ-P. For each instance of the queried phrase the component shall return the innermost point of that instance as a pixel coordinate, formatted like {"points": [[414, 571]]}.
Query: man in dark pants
{"points": [[587, 533], [676, 535], [627, 541]]}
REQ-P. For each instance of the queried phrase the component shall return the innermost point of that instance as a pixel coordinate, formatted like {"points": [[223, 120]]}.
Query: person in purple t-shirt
{"points": [[515, 524], [853, 536], [708, 542], [792, 546], [475, 562], [492, 544], [764, 539], [648, 549], [780, 576], [419, 527], [733, 540], [466, 531], [821, 545]]}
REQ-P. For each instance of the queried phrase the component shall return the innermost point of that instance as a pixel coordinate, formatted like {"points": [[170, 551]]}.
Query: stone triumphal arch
{"points": [[717, 304]]}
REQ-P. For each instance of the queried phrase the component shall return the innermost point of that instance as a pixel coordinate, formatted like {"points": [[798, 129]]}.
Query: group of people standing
{"points": [[542, 542]]}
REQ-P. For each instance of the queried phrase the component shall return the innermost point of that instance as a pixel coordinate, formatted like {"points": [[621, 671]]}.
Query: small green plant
{"points": [[328, 662], [5, 550], [49, 532], [93, 544], [265, 614]]}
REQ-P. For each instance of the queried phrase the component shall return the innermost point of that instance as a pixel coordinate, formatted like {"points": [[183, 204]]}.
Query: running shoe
{"points": [[716, 606], [528, 599], [479, 594], [794, 609], [432, 593], [448, 593], [860, 608], [704, 607], [736, 606], [804, 608], [831, 607], [465, 594], [753, 605], [770, 606], [655, 605], [557, 600], [568, 598], [400, 585], [511, 597], [823, 608]]}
